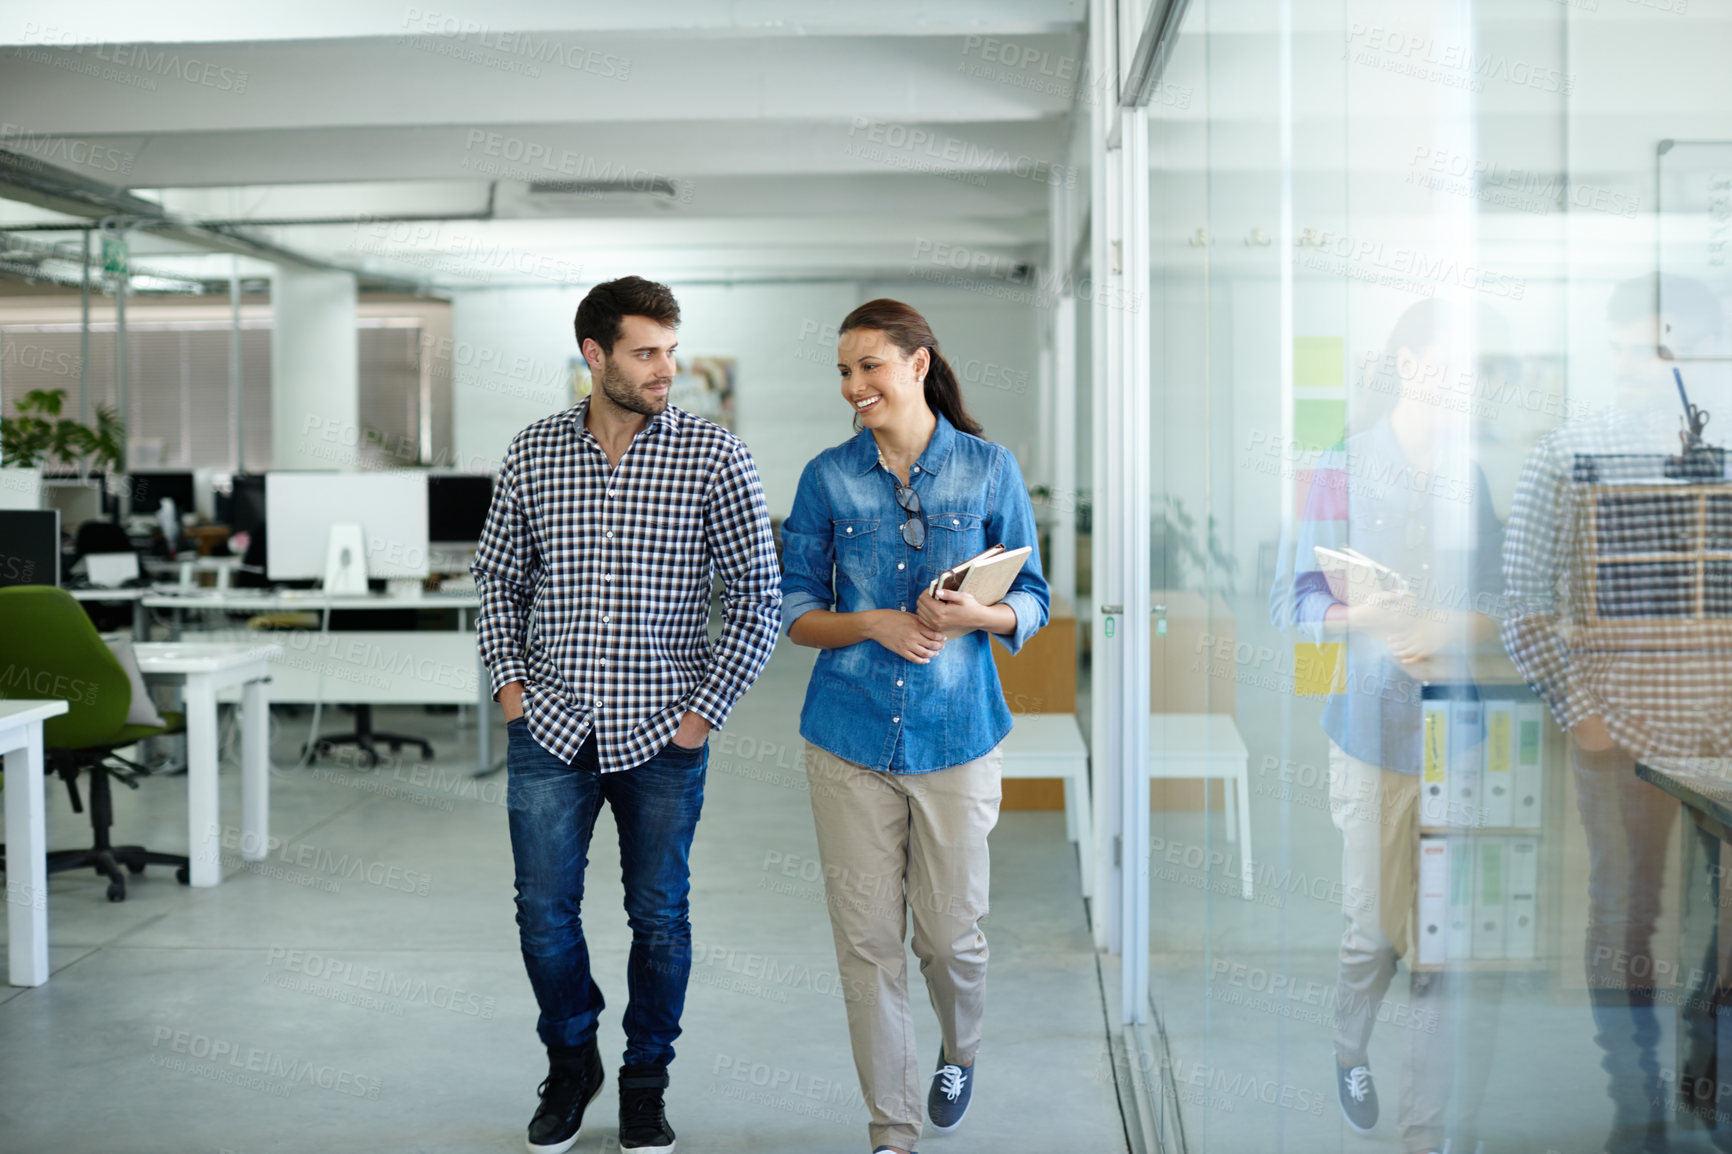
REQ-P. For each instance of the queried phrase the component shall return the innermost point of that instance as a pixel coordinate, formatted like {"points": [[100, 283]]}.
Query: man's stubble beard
{"points": [[612, 382]]}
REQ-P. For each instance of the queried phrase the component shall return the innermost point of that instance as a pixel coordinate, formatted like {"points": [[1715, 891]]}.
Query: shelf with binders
{"points": [[1489, 790]]}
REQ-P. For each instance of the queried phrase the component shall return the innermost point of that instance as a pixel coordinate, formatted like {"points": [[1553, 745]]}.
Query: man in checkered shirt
{"points": [[1620, 703], [594, 572]]}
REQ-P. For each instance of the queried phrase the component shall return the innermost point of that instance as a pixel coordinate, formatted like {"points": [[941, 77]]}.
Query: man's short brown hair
{"points": [[598, 317]]}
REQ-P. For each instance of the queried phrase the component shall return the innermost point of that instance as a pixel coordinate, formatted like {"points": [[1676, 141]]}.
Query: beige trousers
{"points": [[892, 845]]}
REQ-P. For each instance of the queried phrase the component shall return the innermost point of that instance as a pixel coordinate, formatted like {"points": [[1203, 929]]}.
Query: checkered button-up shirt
{"points": [[1659, 690], [595, 582]]}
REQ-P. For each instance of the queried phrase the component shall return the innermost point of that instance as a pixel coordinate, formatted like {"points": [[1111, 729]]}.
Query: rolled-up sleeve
{"points": [[1300, 596], [808, 552], [507, 570], [1010, 519]]}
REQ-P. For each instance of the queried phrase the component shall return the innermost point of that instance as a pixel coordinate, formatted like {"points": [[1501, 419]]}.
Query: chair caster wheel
{"points": [[116, 891], [135, 868], [183, 875]]}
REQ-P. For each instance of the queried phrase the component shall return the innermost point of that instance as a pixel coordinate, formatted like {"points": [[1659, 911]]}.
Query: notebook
{"points": [[987, 576], [1353, 577]]}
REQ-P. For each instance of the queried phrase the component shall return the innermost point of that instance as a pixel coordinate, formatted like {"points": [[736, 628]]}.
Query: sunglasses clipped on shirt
{"points": [[913, 529]]}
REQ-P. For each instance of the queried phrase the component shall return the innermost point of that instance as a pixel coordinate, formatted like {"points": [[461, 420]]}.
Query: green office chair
{"points": [[49, 648]]}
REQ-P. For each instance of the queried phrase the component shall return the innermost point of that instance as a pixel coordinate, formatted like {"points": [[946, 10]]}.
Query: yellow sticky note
{"points": [[1318, 363], [1319, 670]]}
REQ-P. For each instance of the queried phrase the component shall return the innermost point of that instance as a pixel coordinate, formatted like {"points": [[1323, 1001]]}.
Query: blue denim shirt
{"points": [[1367, 495], [842, 550]]}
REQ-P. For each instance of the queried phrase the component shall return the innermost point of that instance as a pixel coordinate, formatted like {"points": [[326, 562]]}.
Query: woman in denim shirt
{"points": [[903, 727]]}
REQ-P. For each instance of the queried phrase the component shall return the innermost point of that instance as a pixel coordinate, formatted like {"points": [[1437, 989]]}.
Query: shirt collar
{"points": [[932, 458], [579, 413]]}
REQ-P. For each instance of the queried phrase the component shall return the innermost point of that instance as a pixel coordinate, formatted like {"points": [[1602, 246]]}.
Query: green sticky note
{"points": [[1318, 424], [1317, 363]]}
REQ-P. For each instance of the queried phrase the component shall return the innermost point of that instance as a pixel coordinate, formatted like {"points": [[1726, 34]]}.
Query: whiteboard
{"points": [[300, 509], [1695, 199]]}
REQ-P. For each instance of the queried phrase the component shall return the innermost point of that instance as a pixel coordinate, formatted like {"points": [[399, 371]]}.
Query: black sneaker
{"points": [[643, 1125], [572, 1083], [1358, 1096], [947, 1101]]}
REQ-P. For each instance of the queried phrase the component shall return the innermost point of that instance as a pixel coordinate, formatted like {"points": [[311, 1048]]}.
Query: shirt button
{"points": [[916, 469], [898, 681], [849, 529], [607, 577], [893, 720], [610, 492], [602, 660], [954, 521], [608, 535], [900, 565], [605, 620]]}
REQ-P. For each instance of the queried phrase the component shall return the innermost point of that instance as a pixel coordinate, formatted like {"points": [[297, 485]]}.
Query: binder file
{"points": [[1433, 900], [1521, 932], [1528, 800], [1434, 783], [1498, 785], [1466, 752], [1490, 897], [1458, 934]]}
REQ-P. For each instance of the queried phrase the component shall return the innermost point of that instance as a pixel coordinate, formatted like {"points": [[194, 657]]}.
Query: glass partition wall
{"points": [[1437, 593]]}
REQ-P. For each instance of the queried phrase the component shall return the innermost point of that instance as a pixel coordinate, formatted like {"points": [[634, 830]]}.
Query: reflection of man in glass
{"points": [[1407, 494], [1623, 700]]}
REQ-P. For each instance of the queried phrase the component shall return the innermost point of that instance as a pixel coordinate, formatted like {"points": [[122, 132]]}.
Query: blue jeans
{"points": [[553, 807]]}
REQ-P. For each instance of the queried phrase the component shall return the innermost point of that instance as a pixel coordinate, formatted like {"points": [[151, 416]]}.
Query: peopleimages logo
{"points": [[64, 149], [143, 58]]}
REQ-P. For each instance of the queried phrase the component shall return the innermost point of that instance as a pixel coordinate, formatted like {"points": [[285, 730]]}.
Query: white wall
{"points": [[512, 349]]}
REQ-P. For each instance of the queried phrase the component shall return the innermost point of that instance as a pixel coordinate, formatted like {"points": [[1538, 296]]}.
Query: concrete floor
{"points": [[361, 990]]}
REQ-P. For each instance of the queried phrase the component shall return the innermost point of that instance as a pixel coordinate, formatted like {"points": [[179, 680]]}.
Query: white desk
{"points": [[363, 667], [201, 670], [26, 838], [1208, 745], [1051, 745], [134, 595]]}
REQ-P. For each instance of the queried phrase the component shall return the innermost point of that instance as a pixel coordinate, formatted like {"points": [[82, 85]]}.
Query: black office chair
{"points": [[43, 629], [104, 537], [101, 537]]}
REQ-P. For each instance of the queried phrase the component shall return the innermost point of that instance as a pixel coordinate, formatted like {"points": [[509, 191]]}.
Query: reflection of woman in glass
{"points": [[902, 725], [1406, 494]]}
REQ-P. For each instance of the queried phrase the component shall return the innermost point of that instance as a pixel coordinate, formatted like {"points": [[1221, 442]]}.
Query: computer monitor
{"points": [[390, 507], [242, 508], [78, 501], [457, 507], [147, 487], [29, 547]]}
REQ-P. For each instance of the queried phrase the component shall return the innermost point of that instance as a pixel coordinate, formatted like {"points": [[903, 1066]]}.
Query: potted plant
{"points": [[37, 434]]}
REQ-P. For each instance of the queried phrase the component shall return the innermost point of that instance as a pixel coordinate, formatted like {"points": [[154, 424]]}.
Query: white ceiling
{"points": [[753, 138]]}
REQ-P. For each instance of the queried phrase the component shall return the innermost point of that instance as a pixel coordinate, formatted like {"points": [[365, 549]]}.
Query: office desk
{"points": [[1704, 786], [361, 667], [201, 670], [140, 628], [26, 838]]}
